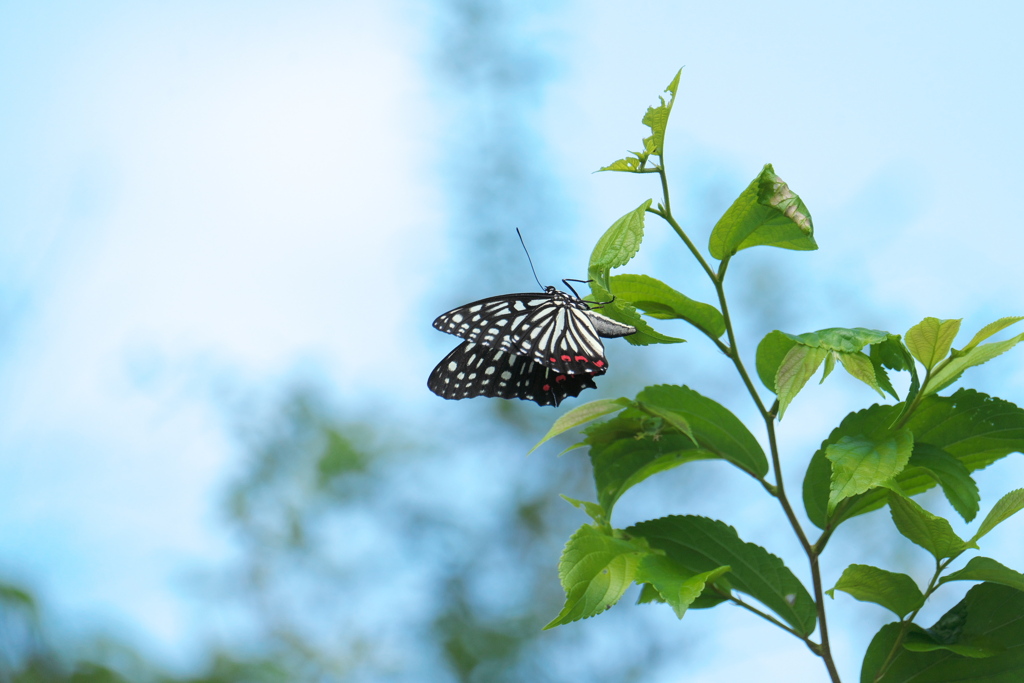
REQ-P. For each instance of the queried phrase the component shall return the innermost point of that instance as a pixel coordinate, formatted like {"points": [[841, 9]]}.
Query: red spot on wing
{"points": [[581, 359], [553, 359], [561, 378], [599, 363], [567, 358], [546, 387]]}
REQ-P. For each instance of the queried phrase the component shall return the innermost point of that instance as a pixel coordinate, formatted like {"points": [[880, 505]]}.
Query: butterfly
{"points": [[540, 347], [473, 369]]}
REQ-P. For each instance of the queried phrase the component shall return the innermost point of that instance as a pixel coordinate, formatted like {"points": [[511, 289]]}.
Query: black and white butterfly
{"points": [[473, 369], [554, 328], [546, 346]]}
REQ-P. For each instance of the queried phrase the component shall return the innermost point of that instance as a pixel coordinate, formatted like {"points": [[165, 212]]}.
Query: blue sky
{"points": [[253, 189]]}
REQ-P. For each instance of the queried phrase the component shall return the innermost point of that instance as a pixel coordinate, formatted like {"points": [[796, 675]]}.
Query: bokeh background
{"points": [[226, 226]]}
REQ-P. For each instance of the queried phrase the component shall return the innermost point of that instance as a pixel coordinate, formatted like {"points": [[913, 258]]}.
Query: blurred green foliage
{"points": [[329, 535]]}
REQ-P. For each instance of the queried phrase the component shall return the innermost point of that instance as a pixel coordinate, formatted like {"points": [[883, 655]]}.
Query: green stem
{"points": [[764, 615], [810, 550], [909, 412], [825, 649], [732, 351], [940, 566], [734, 354], [666, 213]]}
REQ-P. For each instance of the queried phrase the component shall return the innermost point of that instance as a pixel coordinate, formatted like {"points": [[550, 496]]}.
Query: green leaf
{"points": [[892, 354], [770, 353], [920, 640], [1008, 505], [674, 585], [767, 213], [818, 479], [656, 118], [623, 453], [990, 329], [658, 300], [593, 510], [595, 570], [841, 339], [792, 359], [648, 594], [618, 244], [985, 626], [957, 484], [705, 600], [632, 164], [797, 367], [950, 372], [881, 376], [974, 428], [714, 427], [987, 569], [675, 419], [931, 339], [932, 533], [895, 592], [581, 415], [830, 365], [859, 365], [630, 424], [700, 545], [624, 312], [860, 463]]}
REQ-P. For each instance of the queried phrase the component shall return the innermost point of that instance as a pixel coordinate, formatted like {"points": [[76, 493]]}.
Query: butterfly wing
{"points": [[489, 321], [553, 328], [473, 369], [562, 336]]}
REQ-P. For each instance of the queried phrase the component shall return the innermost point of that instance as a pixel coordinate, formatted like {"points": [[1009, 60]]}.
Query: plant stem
{"points": [[734, 356], [824, 650], [732, 598], [666, 213], [909, 411], [810, 550], [940, 566]]}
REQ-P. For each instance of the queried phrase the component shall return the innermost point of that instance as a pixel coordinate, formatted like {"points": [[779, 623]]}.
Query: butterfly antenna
{"points": [[523, 242]]}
